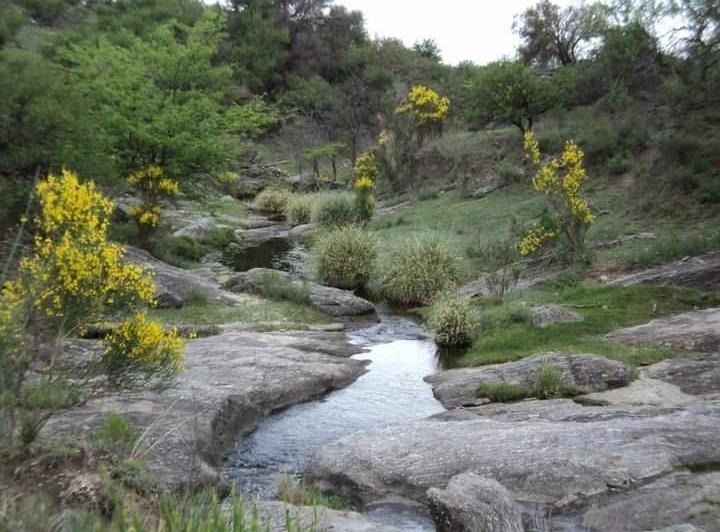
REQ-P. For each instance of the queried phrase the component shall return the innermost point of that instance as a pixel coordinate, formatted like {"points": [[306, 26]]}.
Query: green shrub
{"points": [[299, 209], [272, 201], [453, 320], [549, 383], [117, 434], [219, 238], [292, 490], [344, 257], [335, 209], [501, 392], [418, 271], [428, 193], [276, 288], [180, 251], [511, 172]]}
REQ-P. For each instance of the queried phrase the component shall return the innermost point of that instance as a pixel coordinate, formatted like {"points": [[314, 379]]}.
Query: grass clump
{"points": [[453, 320], [117, 435], [299, 209], [418, 271], [272, 201], [334, 209], [292, 490], [501, 392], [549, 383], [279, 289], [344, 257]]}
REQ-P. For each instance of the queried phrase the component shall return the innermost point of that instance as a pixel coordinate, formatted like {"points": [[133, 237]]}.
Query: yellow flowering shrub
{"points": [[561, 180], [141, 345], [153, 186], [366, 172], [425, 105]]}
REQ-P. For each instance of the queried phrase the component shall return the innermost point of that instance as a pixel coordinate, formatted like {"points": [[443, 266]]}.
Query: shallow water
{"points": [[392, 390]]}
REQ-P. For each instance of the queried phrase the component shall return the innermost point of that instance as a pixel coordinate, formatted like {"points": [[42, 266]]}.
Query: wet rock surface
{"points": [[231, 382], [584, 373], [332, 301]]}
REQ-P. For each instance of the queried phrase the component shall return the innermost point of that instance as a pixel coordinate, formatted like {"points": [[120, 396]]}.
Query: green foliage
{"points": [[299, 209], [253, 119], [296, 492], [549, 383], [453, 320], [672, 246], [334, 209], [182, 251], [117, 435], [272, 201], [417, 271], [501, 392], [344, 257], [279, 289]]}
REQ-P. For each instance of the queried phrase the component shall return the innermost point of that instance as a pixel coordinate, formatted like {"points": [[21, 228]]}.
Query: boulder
{"points": [[175, 285], [302, 231], [693, 331], [701, 272], [230, 383], [332, 301], [584, 373], [470, 503], [252, 238], [541, 462], [198, 229], [479, 287], [547, 315]]}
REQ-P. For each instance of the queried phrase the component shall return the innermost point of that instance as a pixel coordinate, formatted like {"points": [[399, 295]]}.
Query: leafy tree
{"points": [[554, 36], [160, 101], [428, 48], [11, 19], [510, 92], [142, 17], [702, 32]]}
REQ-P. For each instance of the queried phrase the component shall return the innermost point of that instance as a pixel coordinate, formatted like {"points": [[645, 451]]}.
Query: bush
{"points": [[453, 320], [501, 392], [299, 209], [180, 251], [335, 209], [272, 201], [279, 289], [418, 271], [549, 383], [344, 257], [116, 435]]}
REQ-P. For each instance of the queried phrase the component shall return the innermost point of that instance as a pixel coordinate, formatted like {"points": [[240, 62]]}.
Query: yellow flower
{"points": [[426, 105]]}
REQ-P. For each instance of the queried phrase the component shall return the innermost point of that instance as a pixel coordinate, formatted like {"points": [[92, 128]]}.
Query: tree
{"points": [[510, 92], [553, 36], [428, 48], [159, 101], [701, 33]]}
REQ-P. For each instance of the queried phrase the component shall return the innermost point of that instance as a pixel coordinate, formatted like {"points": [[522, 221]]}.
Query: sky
{"points": [[475, 30]]}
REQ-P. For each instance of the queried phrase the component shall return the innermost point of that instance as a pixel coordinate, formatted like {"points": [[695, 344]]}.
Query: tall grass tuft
{"points": [[453, 320], [334, 209], [299, 209], [344, 257], [272, 201]]}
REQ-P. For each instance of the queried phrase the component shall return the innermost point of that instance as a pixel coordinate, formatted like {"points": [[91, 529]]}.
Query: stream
{"points": [[400, 354]]}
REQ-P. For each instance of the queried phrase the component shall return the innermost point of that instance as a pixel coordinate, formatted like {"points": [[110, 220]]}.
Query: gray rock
{"points": [[231, 382], [486, 190], [701, 272], [302, 231], [199, 228], [256, 222], [317, 518], [173, 284], [470, 503], [643, 391], [699, 375], [685, 500], [479, 287], [539, 461], [585, 373], [332, 301], [547, 315], [692, 331], [252, 238]]}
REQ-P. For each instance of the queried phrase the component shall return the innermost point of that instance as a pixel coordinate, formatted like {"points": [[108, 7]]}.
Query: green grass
{"points": [[253, 311], [233, 208], [508, 335], [501, 392]]}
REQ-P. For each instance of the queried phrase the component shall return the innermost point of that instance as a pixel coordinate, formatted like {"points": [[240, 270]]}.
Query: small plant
{"points": [[453, 320], [180, 251], [272, 201], [418, 271], [292, 490], [549, 383], [140, 346], [504, 274], [299, 209], [501, 392], [335, 209], [117, 435], [275, 287], [366, 172], [154, 187], [344, 257]]}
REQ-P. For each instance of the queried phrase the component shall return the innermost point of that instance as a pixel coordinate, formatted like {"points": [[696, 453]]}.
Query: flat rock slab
{"points": [[252, 238], [538, 461], [231, 382], [692, 331], [547, 315], [317, 518], [175, 285], [643, 391], [701, 272], [331, 301], [585, 373], [696, 375]]}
